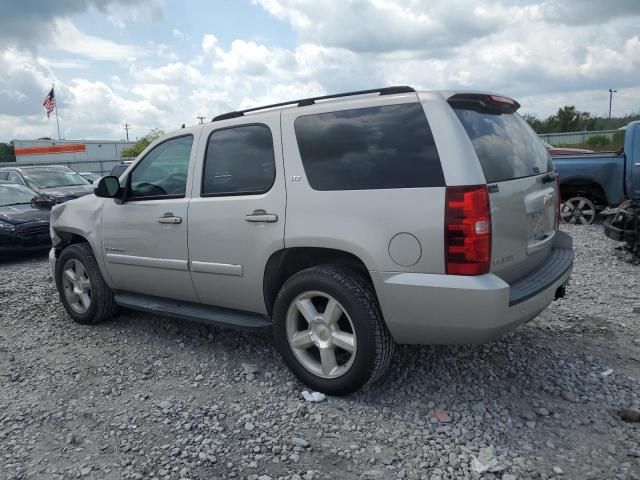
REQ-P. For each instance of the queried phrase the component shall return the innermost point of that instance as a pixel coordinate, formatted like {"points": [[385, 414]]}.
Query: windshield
{"points": [[15, 195], [54, 178]]}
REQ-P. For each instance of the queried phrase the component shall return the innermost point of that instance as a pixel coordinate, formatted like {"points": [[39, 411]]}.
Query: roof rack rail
{"points": [[312, 100]]}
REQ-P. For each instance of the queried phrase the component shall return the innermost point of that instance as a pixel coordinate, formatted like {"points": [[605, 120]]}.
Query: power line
{"points": [[126, 127], [201, 119]]}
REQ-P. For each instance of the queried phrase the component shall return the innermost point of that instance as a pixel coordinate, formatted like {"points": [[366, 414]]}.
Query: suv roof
{"points": [[474, 97], [312, 100]]}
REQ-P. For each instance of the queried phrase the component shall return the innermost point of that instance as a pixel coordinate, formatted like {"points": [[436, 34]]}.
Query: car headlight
{"points": [[6, 227]]}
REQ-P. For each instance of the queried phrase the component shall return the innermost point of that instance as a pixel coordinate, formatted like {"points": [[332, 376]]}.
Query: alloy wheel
{"points": [[578, 210], [77, 286], [321, 334]]}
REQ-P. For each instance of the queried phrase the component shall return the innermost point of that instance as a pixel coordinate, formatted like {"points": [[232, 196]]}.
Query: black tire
{"points": [[103, 305], [375, 345]]}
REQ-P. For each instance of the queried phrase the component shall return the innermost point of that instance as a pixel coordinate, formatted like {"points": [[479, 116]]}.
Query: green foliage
{"points": [[618, 137], [597, 142], [7, 153], [570, 119], [143, 143]]}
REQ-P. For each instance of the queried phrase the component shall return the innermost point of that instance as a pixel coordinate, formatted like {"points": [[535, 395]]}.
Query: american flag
{"points": [[49, 103]]}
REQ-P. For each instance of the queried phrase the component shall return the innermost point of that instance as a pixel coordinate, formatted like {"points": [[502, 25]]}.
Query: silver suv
{"points": [[344, 224]]}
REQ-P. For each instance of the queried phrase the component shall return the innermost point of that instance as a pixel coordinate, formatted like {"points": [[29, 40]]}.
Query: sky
{"points": [[162, 63]]}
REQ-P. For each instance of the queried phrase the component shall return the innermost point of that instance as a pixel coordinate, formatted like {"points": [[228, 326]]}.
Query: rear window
{"points": [[506, 145], [369, 148]]}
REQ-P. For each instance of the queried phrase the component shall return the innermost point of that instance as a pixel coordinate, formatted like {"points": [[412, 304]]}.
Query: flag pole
{"points": [[55, 104]]}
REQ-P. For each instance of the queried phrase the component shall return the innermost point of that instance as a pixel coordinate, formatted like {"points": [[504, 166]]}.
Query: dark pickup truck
{"points": [[594, 181]]}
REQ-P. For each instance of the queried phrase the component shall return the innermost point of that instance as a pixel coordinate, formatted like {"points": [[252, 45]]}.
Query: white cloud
{"points": [[28, 24], [387, 25], [173, 73], [526, 49], [71, 40]]}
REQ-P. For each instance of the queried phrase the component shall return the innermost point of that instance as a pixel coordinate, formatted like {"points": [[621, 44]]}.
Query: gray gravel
{"points": [[147, 397]]}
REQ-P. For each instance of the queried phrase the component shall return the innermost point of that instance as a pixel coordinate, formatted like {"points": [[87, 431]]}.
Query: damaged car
{"points": [[24, 219]]}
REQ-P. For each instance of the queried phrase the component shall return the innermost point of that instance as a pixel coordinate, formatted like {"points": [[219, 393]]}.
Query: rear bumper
{"points": [[452, 309]]}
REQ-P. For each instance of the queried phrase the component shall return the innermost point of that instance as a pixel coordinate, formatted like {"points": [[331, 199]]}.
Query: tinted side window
{"points": [[239, 161], [3, 175], [506, 145], [369, 148], [163, 171]]}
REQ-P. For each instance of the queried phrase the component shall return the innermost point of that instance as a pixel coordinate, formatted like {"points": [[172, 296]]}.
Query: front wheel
{"points": [[83, 292], [329, 330]]}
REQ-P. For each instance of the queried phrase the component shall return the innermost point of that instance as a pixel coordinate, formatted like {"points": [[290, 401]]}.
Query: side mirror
{"points": [[107, 187], [43, 201]]}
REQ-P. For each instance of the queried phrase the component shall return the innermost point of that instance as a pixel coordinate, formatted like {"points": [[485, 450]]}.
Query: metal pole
{"points": [[55, 104], [611, 92]]}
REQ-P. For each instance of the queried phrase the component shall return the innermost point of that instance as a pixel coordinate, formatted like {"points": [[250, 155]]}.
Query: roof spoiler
{"points": [[482, 102]]}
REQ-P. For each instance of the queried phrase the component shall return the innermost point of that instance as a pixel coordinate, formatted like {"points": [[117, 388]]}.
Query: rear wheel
{"points": [[83, 292], [329, 330], [578, 210]]}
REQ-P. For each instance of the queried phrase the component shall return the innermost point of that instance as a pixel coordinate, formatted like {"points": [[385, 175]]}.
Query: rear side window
{"points": [[369, 148], [506, 145], [239, 161]]}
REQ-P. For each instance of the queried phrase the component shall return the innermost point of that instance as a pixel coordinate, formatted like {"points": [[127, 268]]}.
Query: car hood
{"points": [[74, 191], [19, 214]]}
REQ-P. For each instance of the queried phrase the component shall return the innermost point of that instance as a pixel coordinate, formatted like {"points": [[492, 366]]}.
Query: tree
{"points": [[567, 119], [7, 152], [143, 143], [534, 121], [571, 120]]}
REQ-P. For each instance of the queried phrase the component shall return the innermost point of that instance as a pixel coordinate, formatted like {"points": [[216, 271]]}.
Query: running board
{"points": [[221, 317]]}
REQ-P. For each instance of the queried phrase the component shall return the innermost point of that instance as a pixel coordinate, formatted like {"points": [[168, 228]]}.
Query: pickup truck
{"points": [[593, 181]]}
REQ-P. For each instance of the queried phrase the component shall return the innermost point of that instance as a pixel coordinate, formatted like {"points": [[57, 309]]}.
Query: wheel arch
{"points": [[583, 186], [66, 236], [288, 261]]}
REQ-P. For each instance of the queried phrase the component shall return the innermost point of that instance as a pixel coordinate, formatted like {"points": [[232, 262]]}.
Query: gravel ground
{"points": [[147, 397]]}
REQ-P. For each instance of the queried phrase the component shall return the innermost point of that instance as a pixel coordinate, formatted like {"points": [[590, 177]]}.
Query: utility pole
{"points": [[611, 92], [201, 119], [126, 127]]}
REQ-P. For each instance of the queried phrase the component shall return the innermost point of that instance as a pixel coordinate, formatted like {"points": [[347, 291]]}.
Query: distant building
{"points": [[81, 155]]}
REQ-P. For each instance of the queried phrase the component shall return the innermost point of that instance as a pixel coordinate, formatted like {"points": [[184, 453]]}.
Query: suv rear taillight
{"points": [[467, 230]]}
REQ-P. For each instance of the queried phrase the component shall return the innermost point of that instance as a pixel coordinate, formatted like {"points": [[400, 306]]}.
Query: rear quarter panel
{"points": [[361, 222], [606, 170]]}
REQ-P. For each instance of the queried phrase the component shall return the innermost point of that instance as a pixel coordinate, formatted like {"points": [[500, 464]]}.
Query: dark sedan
{"points": [[57, 181], [23, 227]]}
